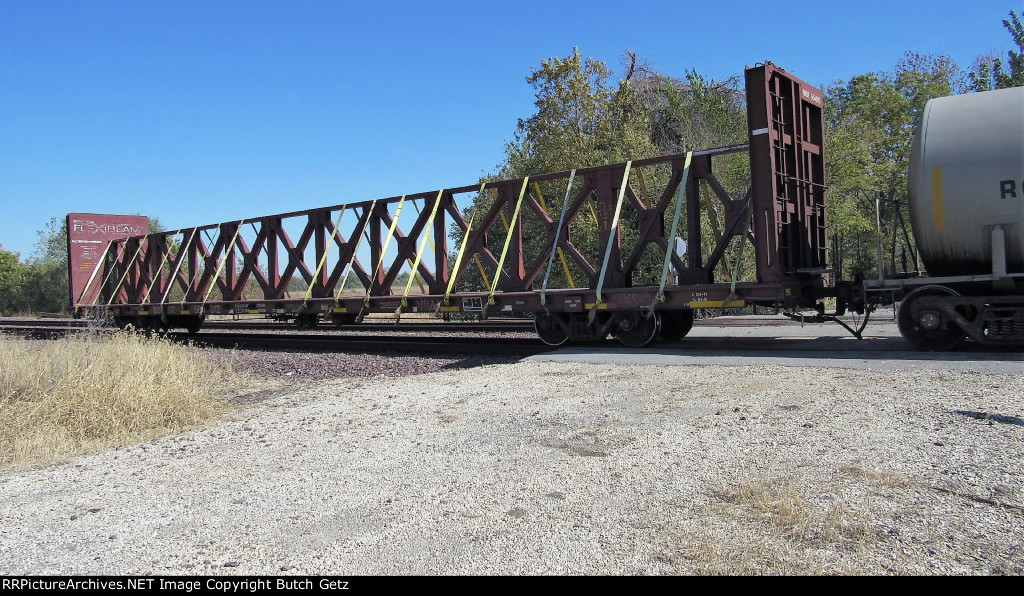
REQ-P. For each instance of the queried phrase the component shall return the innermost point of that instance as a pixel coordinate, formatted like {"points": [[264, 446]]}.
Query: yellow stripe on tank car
{"points": [[939, 212]]}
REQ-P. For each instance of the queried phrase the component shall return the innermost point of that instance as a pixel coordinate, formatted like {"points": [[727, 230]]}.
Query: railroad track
{"points": [[349, 343], [494, 325], [388, 337]]}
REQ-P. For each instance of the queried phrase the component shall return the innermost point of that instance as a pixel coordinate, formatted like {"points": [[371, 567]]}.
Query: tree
{"points": [[12, 275], [991, 73], [870, 123], [581, 120]]}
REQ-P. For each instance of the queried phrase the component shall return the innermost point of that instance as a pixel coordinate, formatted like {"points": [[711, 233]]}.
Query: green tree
{"points": [[581, 120], [12, 274], [870, 123], [990, 72]]}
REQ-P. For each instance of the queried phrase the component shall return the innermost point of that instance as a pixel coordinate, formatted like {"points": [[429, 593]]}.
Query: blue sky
{"points": [[198, 112]]}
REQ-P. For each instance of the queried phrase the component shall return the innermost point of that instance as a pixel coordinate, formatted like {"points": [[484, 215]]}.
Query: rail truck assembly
{"points": [[615, 249]]}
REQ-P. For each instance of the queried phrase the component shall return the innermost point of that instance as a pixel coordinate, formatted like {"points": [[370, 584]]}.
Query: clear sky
{"points": [[204, 111]]}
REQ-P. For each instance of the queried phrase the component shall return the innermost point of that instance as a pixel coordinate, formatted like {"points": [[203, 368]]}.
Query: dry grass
{"points": [[787, 514], [88, 393], [762, 527]]}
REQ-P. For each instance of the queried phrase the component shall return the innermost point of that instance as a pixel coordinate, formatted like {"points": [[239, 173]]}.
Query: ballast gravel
{"points": [[555, 468]]}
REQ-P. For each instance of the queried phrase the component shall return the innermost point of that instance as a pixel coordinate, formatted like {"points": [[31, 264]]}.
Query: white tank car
{"points": [[966, 183]]}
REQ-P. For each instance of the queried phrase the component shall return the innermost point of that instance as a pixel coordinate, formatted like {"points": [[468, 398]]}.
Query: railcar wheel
{"points": [[344, 319], [637, 329], [306, 321], [551, 329], [923, 326], [675, 324], [194, 324]]}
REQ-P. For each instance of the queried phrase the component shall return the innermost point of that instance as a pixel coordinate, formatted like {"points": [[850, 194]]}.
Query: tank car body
{"points": [[966, 179], [966, 194]]}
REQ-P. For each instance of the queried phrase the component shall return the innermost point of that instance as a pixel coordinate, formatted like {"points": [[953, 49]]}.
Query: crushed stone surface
{"points": [[553, 468]]}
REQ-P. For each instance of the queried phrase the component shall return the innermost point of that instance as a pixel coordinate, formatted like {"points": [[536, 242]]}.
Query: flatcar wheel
{"points": [[306, 321], [922, 327], [675, 324], [344, 320], [194, 324], [637, 329], [549, 330]]}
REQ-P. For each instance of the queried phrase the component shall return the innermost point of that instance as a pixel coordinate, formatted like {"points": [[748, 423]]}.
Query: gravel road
{"points": [[554, 468]]}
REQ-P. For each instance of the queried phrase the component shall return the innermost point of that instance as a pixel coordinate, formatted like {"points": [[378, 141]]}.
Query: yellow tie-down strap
{"points": [[452, 276], [383, 251], [323, 257], [508, 241], [419, 253]]}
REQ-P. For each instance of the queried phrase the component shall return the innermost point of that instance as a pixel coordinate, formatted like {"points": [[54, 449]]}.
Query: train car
{"points": [[521, 249], [966, 194]]}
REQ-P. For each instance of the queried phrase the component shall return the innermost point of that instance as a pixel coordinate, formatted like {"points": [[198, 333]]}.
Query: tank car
{"points": [[966, 191]]}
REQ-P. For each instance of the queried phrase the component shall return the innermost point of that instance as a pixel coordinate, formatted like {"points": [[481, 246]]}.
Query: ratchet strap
{"points": [[739, 257], [124, 275], [195, 274], [167, 254], [508, 241], [558, 232], [614, 229], [323, 257], [95, 270], [228, 249], [380, 262], [423, 245], [348, 267], [181, 259], [462, 250], [670, 239]]}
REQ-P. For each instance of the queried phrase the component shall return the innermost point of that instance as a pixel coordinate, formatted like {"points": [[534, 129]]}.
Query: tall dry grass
{"points": [[88, 393]]}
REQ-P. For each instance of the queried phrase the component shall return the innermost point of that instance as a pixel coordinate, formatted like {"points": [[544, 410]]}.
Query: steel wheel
{"points": [[194, 324], [344, 319], [675, 324], [551, 329], [306, 321], [637, 329], [922, 326]]}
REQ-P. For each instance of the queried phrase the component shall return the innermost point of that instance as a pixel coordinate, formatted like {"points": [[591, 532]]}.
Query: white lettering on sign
{"points": [[90, 227]]}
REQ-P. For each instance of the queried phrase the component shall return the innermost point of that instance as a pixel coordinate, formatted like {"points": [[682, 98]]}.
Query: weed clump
{"points": [[88, 393]]}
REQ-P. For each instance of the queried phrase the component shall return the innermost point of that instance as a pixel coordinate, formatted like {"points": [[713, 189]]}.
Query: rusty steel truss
{"points": [[595, 239]]}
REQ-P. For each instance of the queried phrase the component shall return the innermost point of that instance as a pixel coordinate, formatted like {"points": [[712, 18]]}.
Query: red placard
{"points": [[88, 236]]}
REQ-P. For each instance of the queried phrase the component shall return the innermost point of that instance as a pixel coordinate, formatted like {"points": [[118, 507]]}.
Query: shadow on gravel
{"points": [[991, 417], [872, 348]]}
